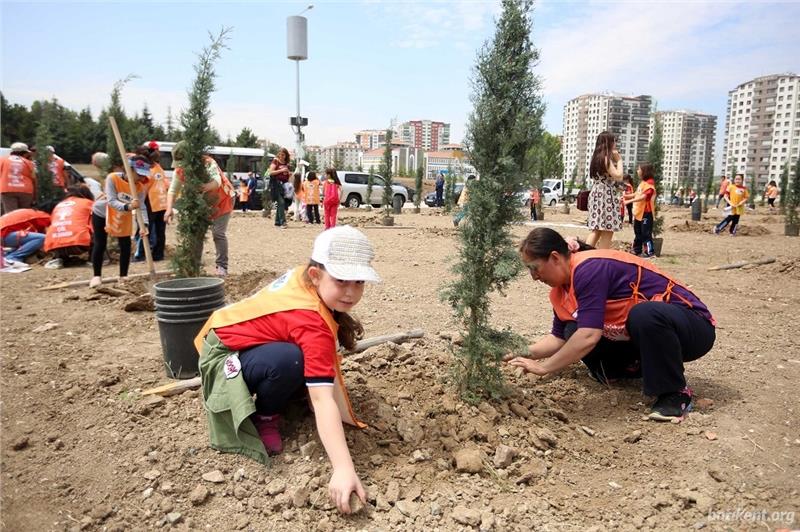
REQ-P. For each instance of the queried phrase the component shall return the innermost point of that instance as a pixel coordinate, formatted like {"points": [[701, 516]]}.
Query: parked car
{"points": [[430, 198], [256, 199], [354, 190]]}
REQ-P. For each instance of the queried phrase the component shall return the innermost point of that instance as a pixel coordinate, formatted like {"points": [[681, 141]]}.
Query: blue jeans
{"points": [[23, 247], [274, 372]]}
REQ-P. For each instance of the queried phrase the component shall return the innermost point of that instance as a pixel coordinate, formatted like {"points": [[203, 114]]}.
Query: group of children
{"points": [[308, 194]]}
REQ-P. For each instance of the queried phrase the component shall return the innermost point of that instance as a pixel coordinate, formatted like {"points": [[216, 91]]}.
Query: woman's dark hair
{"points": [[296, 182], [283, 150], [542, 241], [311, 176], [331, 174], [79, 191], [601, 158], [350, 329], [648, 171]]}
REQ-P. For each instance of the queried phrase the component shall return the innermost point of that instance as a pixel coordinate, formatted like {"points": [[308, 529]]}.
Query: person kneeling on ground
{"points": [[22, 234], [283, 337], [620, 315], [70, 232]]}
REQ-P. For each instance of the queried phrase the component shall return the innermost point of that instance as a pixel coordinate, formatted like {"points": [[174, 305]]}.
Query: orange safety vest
{"points": [[221, 197], [565, 304], [310, 190], [158, 189], [17, 174], [24, 221], [120, 223], [57, 168], [71, 224], [288, 292], [640, 207], [244, 192]]}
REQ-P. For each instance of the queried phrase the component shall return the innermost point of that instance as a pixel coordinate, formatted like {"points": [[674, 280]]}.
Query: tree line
{"points": [[76, 135]]}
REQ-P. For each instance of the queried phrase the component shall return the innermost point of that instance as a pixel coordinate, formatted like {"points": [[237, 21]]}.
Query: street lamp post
{"points": [[297, 50]]}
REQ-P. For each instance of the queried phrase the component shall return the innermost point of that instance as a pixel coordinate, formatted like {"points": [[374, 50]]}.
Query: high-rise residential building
{"points": [[585, 117], [371, 139], [762, 128], [688, 140], [342, 156], [425, 134]]}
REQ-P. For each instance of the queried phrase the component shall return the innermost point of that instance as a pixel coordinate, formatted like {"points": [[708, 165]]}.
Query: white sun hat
{"points": [[346, 254]]}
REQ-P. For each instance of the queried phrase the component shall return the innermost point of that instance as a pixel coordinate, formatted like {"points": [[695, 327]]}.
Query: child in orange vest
{"points": [[282, 341], [118, 218], [736, 196], [332, 189], [772, 195], [644, 206], [311, 194]]}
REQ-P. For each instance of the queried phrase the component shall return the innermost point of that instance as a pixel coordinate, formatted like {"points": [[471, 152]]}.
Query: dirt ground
{"points": [[82, 450]]}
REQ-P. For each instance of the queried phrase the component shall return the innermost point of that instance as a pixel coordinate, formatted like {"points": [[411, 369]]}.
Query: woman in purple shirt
{"points": [[620, 315]]}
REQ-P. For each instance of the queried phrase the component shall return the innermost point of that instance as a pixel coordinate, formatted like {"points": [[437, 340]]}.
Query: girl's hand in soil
{"points": [[531, 366], [343, 483]]}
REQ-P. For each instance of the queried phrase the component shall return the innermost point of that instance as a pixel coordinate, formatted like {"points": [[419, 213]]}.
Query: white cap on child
{"points": [[346, 254]]}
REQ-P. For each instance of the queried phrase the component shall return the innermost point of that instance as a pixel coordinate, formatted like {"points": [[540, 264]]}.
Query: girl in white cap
{"points": [[281, 342]]}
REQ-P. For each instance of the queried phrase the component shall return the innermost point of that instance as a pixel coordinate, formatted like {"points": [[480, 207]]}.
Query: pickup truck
{"points": [[556, 188]]}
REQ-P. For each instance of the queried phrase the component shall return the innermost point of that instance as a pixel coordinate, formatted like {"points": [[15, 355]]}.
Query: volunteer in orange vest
{"points": [[644, 208], [70, 232], [736, 196], [771, 194], [279, 344], [535, 198], [17, 179], [244, 194], [620, 315], [156, 204], [118, 219], [723, 188], [310, 191], [22, 230], [57, 168], [221, 194]]}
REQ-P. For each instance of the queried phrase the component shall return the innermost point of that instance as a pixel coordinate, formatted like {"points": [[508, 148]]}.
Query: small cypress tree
{"points": [[46, 191], [193, 204], [386, 171], [370, 181], [230, 165], [450, 189], [418, 185], [504, 124], [115, 110], [784, 187], [655, 156], [793, 201]]}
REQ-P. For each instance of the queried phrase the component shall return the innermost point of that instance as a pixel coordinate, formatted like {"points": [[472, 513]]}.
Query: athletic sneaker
{"points": [[221, 272], [267, 427], [95, 282], [55, 264], [672, 406], [716, 230]]}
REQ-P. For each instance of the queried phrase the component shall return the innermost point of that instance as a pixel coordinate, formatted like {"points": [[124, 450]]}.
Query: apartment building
{"points": [[347, 155], [762, 128], [424, 134], [404, 159], [585, 117], [688, 140], [371, 139]]}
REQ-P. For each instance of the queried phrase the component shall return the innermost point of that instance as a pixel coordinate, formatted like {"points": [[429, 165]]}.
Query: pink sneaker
{"points": [[267, 427]]}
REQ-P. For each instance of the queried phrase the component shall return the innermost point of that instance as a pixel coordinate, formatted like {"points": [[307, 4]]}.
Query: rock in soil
{"points": [[532, 471], [503, 456], [198, 495], [466, 516], [469, 461], [214, 476]]}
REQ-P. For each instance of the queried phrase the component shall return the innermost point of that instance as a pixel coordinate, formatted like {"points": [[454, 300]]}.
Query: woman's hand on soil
{"points": [[342, 484], [531, 366]]}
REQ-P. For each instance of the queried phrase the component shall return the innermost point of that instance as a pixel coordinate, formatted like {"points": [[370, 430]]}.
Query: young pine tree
{"points": [[46, 191], [655, 156], [369, 184], [793, 199], [450, 189], [386, 172], [418, 185], [193, 204], [115, 110], [504, 124], [784, 187]]}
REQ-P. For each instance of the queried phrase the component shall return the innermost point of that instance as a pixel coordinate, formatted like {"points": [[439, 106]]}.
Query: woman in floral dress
{"points": [[604, 198]]}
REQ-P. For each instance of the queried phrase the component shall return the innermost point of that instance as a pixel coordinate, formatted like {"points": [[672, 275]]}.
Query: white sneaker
{"points": [[55, 264], [221, 272], [95, 282]]}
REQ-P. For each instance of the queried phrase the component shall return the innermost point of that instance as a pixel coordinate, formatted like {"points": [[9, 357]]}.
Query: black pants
{"points": [[629, 207], [643, 234], [439, 197], [533, 211], [101, 242], [732, 219], [663, 337], [274, 373], [312, 214]]}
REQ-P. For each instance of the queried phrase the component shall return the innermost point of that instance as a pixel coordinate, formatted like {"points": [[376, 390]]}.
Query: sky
{"points": [[371, 61]]}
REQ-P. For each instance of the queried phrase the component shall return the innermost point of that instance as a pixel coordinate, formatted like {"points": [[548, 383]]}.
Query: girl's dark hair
{"points": [[283, 150], [331, 174], [648, 171], [296, 182], [628, 178], [603, 147], [311, 176], [350, 329], [79, 191], [773, 183], [542, 241]]}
